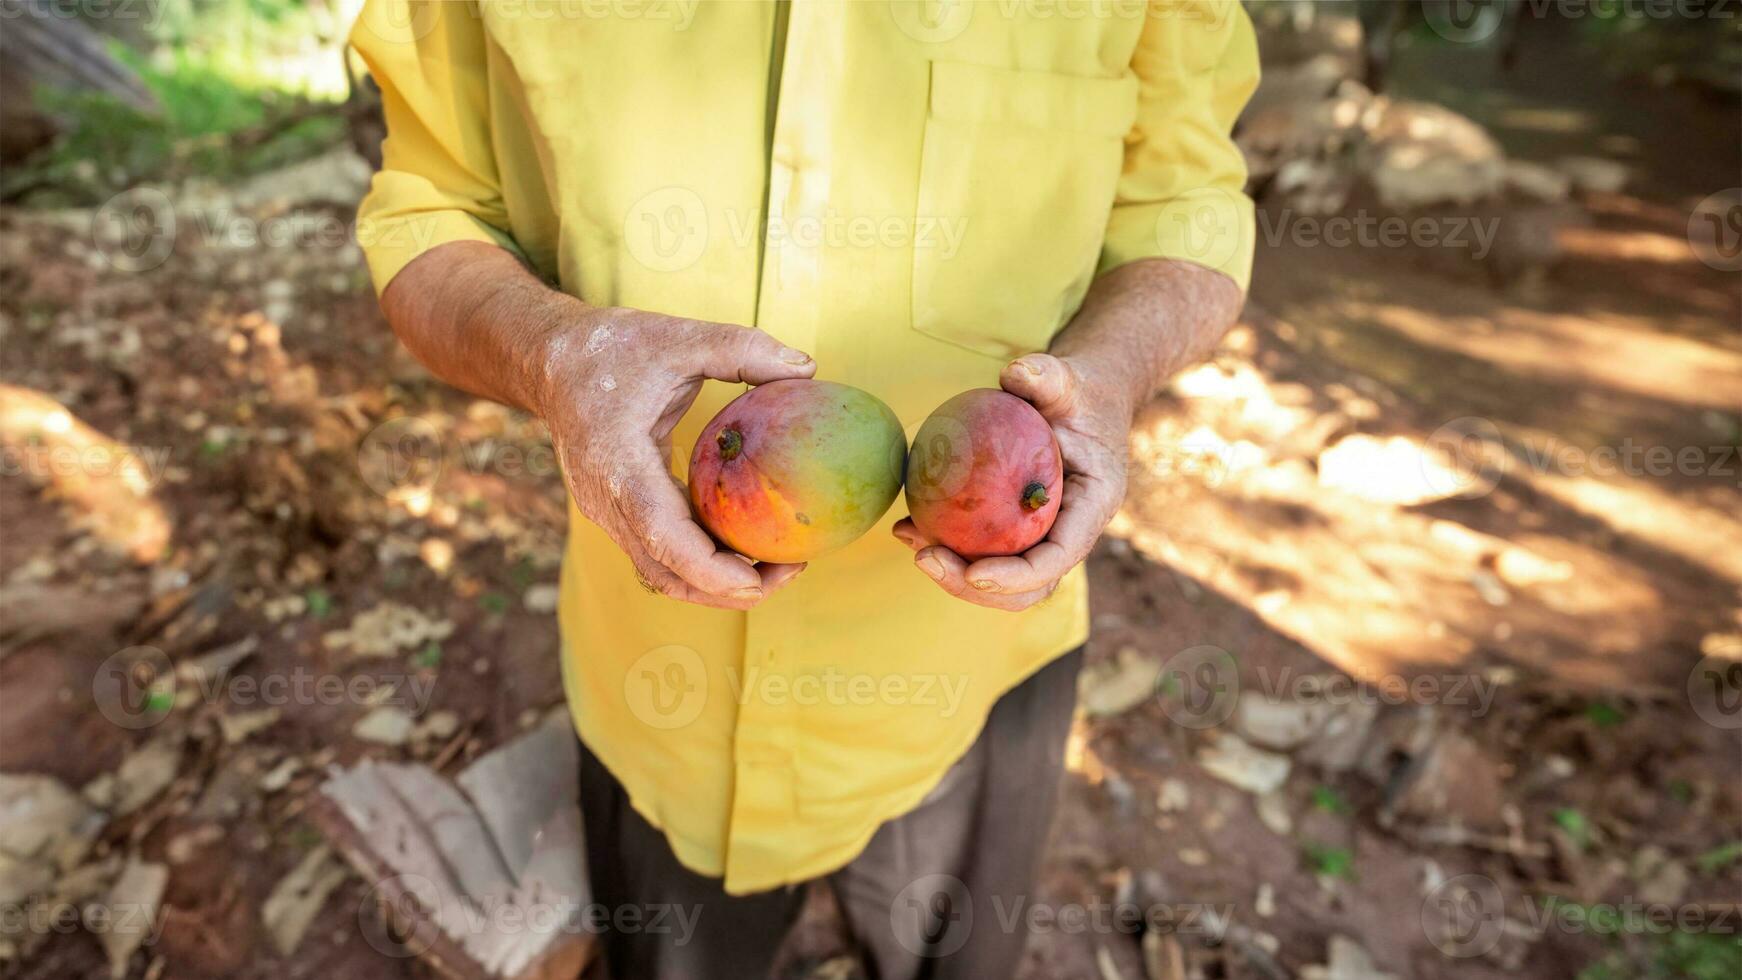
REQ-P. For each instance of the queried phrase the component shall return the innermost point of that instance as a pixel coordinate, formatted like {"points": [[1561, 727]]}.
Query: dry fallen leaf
{"points": [[298, 897], [130, 913]]}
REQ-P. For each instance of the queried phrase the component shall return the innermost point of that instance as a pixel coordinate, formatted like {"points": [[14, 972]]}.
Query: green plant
{"points": [[429, 656], [1719, 858], [1604, 714], [240, 88], [1675, 955], [1328, 800], [1328, 861], [1577, 827]]}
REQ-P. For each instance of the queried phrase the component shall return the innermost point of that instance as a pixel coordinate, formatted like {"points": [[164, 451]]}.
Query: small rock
{"points": [[1662, 879], [542, 598], [1347, 960], [1279, 724], [438, 725], [1273, 813], [386, 725], [1594, 175], [1194, 857], [1115, 687], [1420, 154], [1235, 762], [1265, 902], [1172, 797], [1339, 744], [1536, 181]]}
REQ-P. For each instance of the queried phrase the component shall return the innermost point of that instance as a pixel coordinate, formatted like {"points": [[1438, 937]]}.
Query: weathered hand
{"points": [[615, 384], [1092, 421]]}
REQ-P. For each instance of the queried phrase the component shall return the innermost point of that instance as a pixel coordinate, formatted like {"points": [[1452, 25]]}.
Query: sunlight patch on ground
{"points": [[1396, 471], [105, 485], [1628, 246], [1703, 537], [1605, 349], [1269, 492]]}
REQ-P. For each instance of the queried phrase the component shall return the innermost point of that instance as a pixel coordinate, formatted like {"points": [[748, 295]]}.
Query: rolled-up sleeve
{"points": [[438, 181], [1182, 193]]}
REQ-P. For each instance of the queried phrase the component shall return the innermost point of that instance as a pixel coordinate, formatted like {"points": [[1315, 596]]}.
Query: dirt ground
{"points": [[1525, 645]]}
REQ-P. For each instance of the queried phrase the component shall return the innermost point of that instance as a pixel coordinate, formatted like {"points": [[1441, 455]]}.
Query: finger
{"points": [[726, 352], [659, 580], [908, 534], [656, 514], [1046, 382], [776, 576], [1087, 507], [944, 567], [947, 569]]}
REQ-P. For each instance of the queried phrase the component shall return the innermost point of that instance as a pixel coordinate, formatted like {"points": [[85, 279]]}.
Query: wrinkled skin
{"points": [[794, 469], [480, 320], [1139, 324], [985, 477], [611, 384]]}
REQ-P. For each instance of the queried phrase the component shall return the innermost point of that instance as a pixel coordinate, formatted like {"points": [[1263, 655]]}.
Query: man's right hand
{"points": [[616, 382], [611, 384]]}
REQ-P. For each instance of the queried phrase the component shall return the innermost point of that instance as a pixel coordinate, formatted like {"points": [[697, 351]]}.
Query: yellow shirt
{"points": [[911, 192]]}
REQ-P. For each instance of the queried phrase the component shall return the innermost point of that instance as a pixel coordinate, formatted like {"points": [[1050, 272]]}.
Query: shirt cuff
{"points": [[1211, 227], [391, 241]]}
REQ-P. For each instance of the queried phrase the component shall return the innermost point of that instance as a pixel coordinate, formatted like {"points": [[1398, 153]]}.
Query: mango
{"points": [[985, 476], [794, 469]]}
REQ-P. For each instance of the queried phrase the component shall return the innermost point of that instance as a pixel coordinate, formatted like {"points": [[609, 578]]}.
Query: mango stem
{"points": [[731, 442], [1034, 496]]}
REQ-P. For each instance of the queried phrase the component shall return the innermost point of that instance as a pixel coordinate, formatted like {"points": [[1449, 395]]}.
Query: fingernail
{"points": [[793, 356], [985, 584], [931, 566], [748, 592], [1032, 368]]}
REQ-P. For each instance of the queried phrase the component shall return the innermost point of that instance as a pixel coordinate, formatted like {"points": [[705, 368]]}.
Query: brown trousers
{"points": [[930, 897]]}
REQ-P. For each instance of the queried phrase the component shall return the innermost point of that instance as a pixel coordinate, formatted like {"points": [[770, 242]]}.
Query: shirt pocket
{"points": [[1017, 175]]}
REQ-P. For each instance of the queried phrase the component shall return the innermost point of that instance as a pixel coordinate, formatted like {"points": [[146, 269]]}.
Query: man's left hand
{"points": [[1091, 418]]}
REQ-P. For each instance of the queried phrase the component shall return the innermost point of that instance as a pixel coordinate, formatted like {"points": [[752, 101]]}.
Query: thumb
{"points": [[731, 353], [1046, 382]]}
